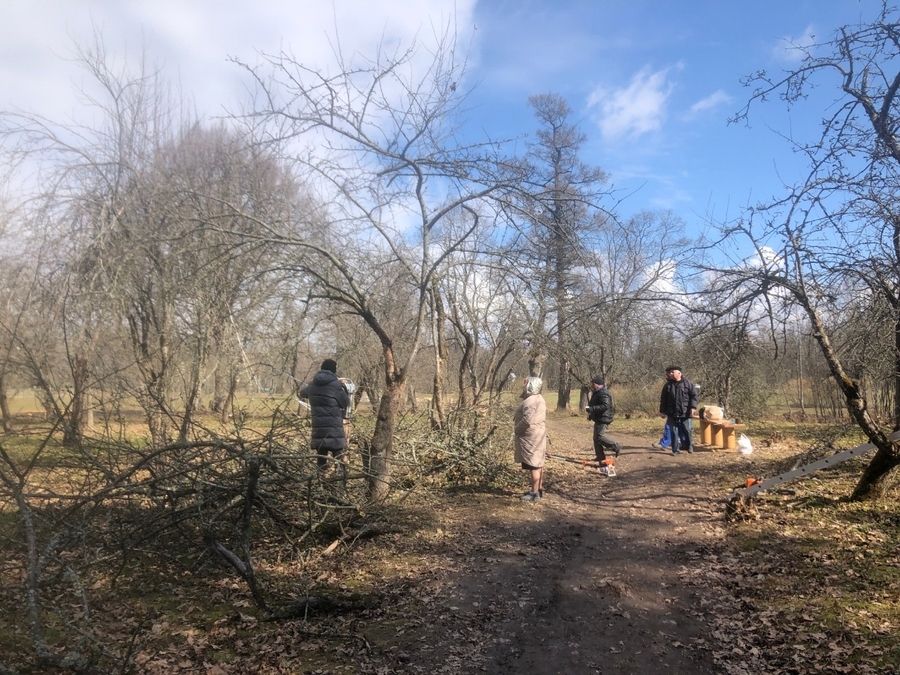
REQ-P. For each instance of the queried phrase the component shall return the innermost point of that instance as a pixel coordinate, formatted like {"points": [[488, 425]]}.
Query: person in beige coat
{"points": [[530, 436]]}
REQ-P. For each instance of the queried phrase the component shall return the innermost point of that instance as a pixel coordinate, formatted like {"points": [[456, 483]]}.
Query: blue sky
{"points": [[653, 82]]}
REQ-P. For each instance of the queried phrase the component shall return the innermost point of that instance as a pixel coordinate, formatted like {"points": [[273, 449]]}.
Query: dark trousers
{"points": [[322, 460], [602, 442]]}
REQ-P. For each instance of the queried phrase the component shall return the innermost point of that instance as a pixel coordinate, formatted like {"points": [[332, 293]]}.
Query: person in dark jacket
{"points": [[677, 403], [600, 411], [328, 404]]}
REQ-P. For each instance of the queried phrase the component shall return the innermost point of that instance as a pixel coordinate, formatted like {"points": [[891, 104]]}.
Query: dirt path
{"points": [[594, 578]]}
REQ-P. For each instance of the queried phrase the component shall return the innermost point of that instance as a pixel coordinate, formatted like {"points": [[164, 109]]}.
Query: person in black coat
{"points": [[600, 412], [677, 403], [328, 404]]}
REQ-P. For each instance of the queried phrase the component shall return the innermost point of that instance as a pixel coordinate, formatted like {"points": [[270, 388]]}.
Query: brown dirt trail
{"points": [[594, 578]]}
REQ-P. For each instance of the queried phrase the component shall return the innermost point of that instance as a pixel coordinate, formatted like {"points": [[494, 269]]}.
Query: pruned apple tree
{"points": [[378, 138], [831, 245]]}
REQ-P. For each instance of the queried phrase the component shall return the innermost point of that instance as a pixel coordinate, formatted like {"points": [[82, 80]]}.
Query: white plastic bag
{"points": [[744, 446]]}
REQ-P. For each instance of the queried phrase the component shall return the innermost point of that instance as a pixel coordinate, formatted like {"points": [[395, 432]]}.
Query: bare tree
{"points": [[14, 321], [489, 327], [627, 283], [837, 233], [379, 143], [563, 203]]}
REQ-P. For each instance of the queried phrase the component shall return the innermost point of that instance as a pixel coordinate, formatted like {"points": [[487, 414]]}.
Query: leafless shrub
{"points": [[95, 519], [473, 449]]}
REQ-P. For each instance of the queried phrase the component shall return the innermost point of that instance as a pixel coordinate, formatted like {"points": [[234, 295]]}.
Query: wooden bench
{"points": [[719, 433]]}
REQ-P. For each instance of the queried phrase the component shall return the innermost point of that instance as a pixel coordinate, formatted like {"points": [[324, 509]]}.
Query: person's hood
{"points": [[324, 377]]}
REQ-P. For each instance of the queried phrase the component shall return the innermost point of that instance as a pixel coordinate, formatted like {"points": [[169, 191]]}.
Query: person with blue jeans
{"points": [[665, 442], [677, 403]]}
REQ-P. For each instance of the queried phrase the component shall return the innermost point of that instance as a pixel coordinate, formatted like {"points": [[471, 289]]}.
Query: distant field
{"points": [[27, 402], [24, 403]]}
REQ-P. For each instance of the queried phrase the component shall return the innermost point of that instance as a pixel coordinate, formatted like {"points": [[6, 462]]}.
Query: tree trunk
{"points": [[896, 370], [217, 405], [873, 483], [536, 363], [5, 415], [584, 397], [725, 403], [378, 457], [465, 369], [564, 392], [438, 417], [73, 426], [155, 403], [227, 412], [190, 403], [46, 396]]}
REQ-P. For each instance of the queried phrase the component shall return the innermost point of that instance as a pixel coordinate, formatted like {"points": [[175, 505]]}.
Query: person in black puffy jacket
{"points": [[600, 412], [328, 403]]}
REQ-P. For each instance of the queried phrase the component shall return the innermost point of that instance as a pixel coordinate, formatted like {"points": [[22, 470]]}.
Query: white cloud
{"points": [[766, 258], [634, 110], [192, 41], [662, 278], [717, 98], [793, 49]]}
